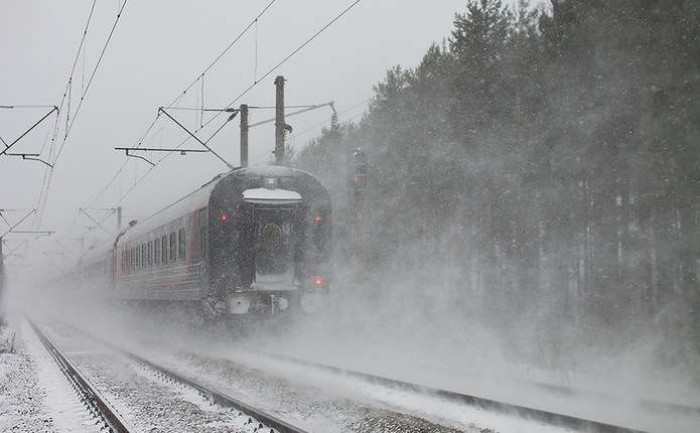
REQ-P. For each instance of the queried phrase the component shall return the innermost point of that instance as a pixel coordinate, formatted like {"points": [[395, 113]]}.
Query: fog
{"points": [[527, 230]]}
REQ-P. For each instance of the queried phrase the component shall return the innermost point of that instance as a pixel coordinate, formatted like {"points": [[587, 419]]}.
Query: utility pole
{"points": [[244, 135], [279, 120], [119, 219]]}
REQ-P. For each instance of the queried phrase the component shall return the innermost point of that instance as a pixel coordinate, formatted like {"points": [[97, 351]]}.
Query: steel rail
{"points": [[566, 421], [217, 397], [114, 422]]}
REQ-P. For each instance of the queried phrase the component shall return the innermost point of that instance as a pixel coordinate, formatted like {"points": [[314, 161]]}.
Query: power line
{"points": [[48, 173], [354, 106], [250, 107], [235, 40], [42, 206], [182, 94], [247, 90], [92, 77]]}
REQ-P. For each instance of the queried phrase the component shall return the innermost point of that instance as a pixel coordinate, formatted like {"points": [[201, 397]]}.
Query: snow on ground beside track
{"points": [[311, 407], [612, 409], [62, 407], [231, 420], [22, 406], [145, 400], [426, 406]]}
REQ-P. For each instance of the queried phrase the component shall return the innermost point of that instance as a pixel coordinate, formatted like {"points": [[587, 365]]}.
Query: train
{"points": [[252, 241]]}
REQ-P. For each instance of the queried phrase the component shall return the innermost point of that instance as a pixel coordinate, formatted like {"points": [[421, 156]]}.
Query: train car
{"points": [[250, 241]]}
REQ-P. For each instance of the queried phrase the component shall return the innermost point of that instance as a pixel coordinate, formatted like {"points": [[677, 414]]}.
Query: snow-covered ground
{"points": [[303, 403], [321, 401], [34, 394], [147, 402]]}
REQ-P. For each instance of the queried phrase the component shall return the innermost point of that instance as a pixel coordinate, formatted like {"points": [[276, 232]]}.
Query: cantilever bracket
{"points": [[153, 149], [8, 146], [126, 150], [30, 157], [204, 144]]}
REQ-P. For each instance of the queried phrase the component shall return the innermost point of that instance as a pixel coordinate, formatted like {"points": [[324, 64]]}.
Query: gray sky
{"points": [[159, 48]]}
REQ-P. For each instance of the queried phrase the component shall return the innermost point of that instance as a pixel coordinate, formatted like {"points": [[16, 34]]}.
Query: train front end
{"points": [[270, 242]]}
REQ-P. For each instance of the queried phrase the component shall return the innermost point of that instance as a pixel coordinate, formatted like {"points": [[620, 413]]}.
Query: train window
{"points": [[181, 244], [203, 222], [156, 251], [173, 246], [143, 255], [164, 248], [272, 252], [203, 241], [133, 259], [150, 253]]}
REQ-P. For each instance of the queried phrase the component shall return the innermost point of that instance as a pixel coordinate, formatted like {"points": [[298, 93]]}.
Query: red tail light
{"points": [[223, 217], [318, 281], [318, 218]]}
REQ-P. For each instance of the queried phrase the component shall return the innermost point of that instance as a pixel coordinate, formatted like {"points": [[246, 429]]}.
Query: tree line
{"points": [[551, 157]]}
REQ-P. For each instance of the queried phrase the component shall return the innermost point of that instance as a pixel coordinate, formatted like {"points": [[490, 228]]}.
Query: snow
{"points": [[21, 398], [39, 396], [146, 400], [264, 195], [434, 409]]}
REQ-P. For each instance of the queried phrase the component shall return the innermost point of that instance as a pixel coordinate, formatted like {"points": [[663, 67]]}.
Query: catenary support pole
{"points": [[279, 120], [244, 135], [119, 219]]}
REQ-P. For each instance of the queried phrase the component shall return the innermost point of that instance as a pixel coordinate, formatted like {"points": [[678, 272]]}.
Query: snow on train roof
{"points": [[272, 170], [266, 195], [200, 198]]}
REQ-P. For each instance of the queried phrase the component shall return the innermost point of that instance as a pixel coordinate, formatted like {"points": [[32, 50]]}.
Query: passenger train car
{"points": [[250, 241]]}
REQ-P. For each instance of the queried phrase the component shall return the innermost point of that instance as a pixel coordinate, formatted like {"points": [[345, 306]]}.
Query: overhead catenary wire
{"points": [[225, 50], [92, 77], [48, 176], [250, 107], [277, 65], [241, 95], [175, 101], [347, 110]]}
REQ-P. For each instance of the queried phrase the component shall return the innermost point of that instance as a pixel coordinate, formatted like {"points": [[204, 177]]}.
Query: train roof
{"points": [[200, 197]]}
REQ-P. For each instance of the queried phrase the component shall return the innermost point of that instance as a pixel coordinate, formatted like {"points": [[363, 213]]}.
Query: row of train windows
{"points": [[168, 248]]}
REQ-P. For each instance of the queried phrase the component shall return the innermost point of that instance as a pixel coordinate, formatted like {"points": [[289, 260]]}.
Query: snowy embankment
{"points": [[34, 394]]}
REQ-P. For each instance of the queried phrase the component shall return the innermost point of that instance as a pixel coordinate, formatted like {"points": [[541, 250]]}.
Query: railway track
{"points": [[552, 418], [266, 422], [97, 405], [277, 425]]}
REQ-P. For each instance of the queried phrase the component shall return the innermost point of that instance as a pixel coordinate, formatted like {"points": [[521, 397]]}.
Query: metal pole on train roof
{"points": [[279, 120], [119, 219], [244, 135]]}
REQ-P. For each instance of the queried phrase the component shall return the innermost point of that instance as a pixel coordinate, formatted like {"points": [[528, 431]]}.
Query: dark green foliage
{"points": [[553, 155]]}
